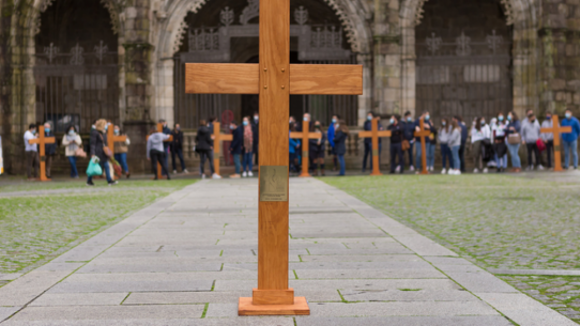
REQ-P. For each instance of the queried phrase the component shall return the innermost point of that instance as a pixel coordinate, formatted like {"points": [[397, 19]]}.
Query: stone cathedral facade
{"points": [[73, 61]]}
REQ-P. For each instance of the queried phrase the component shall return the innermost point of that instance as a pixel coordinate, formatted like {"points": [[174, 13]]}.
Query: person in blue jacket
{"points": [[514, 127], [369, 142], [294, 148], [340, 137], [236, 146], [330, 136], [570, 140]]}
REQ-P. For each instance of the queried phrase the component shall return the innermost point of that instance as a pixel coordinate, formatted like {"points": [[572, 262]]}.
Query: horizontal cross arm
{"points": [[424, 133], [369, 134], [300, 135], [232, 78], [226, 137], [117, 139], [564, 130], [47, 140]]}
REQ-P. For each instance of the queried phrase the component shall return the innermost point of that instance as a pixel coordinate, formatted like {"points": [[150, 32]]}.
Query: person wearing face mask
{"points": [[247, 155], [408, 126], [396, 149], [177, 149], [427, 125], [443, 136], [49, 149], [570, 140], [316, 149], [236, 146], [513, 130], [72, 142], [330, 135], [256, 133], [530, 133], [98, 142], [31, 150], [121, 149], [498, 133], [480, 133], [369, 142]]}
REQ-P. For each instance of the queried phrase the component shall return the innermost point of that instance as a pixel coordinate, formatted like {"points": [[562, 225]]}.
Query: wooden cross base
{"points": [[273, 302]]}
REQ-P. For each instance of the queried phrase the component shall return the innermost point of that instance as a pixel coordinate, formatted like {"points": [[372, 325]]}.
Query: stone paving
{"points": [[186, 259]]}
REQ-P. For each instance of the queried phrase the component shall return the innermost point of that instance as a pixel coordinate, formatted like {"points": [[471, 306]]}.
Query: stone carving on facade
{"points": [[252, 10], [419, 11], [227, 16], [509, 11]]}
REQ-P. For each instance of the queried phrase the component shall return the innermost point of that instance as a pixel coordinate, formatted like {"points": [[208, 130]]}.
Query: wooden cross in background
{"points": [[274, 79], [217, 138], [112, 139], [159, 129], [305, 135], [422, 133], [41, 141], [375, 134], [556, 130]]}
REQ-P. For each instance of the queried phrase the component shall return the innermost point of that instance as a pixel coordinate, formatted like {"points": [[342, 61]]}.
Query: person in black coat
{"points": [[167, 144], [396, 144], [98, 142], [256, 134], [177, 148], [236, 146], [49, 149], [316, 148], [340, 136], [204, 147], [408, 126]]}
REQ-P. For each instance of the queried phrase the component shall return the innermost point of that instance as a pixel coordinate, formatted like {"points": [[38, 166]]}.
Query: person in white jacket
{"points": [[72, 142], [479, 132], [548, 139]]}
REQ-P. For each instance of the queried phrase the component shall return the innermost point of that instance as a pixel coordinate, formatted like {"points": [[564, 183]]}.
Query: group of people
{"points": [[162, 143]]}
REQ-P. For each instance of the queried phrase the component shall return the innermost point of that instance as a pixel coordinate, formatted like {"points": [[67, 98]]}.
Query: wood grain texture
{"points": [[556, 130], [300, 135], [274, 141], [273, 297], [326, 79], [375, 134], [422, 133], [247, 308], [218, 137], [41, 141], [111, 140], [222, 78]]}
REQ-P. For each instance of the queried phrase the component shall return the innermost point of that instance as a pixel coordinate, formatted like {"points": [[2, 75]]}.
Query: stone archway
{"points": [[171, 17], [520, 13]]}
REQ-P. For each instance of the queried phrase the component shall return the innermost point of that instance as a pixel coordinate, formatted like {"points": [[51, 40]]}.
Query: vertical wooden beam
{"points": [[305, 149], [375, 153], [42, 154], [557, 146]]}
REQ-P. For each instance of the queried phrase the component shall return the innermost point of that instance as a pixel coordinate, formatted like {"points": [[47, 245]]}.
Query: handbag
{"points": [[405, 145], [514, 138], [541, 145], [80, 153], [94, 168]]}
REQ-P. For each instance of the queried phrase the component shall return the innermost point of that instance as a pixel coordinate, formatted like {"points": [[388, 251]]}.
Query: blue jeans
{"points": [[445, 155], [410, 152], [237, 162], [342, 165], [430, 154], [247, 161], [455, 154], [501, 162], [514, 149], [122, 159], [73, 166], [104, 166], [573, 146], [179, 153]]}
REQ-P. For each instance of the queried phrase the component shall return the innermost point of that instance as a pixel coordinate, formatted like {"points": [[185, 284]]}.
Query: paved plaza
{"points": [[185, 260]]}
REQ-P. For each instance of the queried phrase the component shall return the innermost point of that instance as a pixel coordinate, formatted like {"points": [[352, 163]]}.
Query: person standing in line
{"points": [[340, 136], [454, 142], [156, 153], [548, 139], [396, 149], [256, 133], [49, 149], [166, 145], [177, 149], [72, 142], [121, 149], [98, 142], [431, 148], [530, 136], [480, 132], [408, 126], [316, 149], [427, 125], [294, 145], [236, 146], [204, 147], [31, 150], [464, 135], [498, 133], [513, 128], [443, 136], [368, 126], [570, 140], [330, 136], [247, 149]]}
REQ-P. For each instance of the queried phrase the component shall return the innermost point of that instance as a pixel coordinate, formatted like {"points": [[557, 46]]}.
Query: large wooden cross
{"points": [[422, 133], [274, 79], [375, 134], [159, 129], [557, 130], [305, 135], [41, 141], [112, 139], [218, 137]]}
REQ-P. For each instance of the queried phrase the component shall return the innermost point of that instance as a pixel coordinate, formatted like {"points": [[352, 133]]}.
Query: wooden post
{"points": [[112, 139], [375, 134], [556, 130], [218, 137], [274, 79], [305, 136], [422, 133], [41, 141]]}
